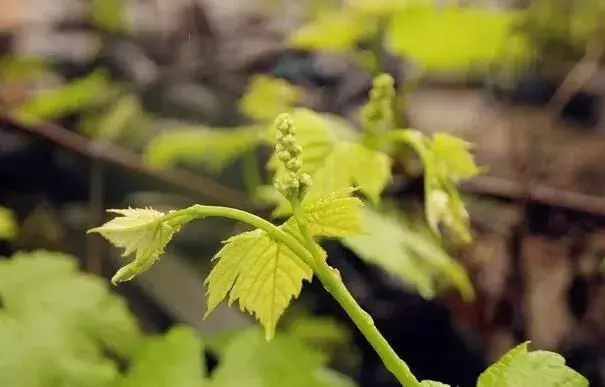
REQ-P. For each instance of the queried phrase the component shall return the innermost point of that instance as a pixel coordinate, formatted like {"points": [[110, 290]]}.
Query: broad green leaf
{"points": [[267, 97], [174, 359], [284, 361], [114, 122], [59, 323], [139, 231], [522, 368], [75, 96], [452, 37], [414, 258], [336, 31], [212, 147], [8, 224], [109, 15], [258, 272], [335, 215]]}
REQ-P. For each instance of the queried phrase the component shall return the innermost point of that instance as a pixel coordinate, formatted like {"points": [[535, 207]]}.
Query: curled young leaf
{"points": [[139, 231]]}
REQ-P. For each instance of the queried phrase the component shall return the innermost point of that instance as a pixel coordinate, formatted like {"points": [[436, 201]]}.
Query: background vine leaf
{"points": [[270, 364], [266, 98], [214, 148], [58, 324], [8, 224], [520, 367], [91, 90], [174, 359], [409, 255]]}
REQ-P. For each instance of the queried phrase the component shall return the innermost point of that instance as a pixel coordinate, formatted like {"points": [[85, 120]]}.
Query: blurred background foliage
{"points": [[115, 103]]}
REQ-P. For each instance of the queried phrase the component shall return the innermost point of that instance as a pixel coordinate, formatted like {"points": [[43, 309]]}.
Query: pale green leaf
{"points": [[414, 258], [452, 37], [371, 171], [113, 123], [59, 323], [8, 224], [139, 231], [174, 359], [336, 31], [334, 215], [432, 383], [453, 158], [258, 272], [109, 15], [267, 97], [215, 148], [19, 68], [251, 361], [522, 368], [446, 160], [91, 90]]}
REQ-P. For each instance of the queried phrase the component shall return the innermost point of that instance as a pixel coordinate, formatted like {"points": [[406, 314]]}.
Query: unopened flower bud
{"points": [[284, 156], [288, 140], [293, 164]]}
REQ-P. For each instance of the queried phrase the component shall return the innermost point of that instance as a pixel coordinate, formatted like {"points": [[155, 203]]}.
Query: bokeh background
{"points": [[118, 103]]}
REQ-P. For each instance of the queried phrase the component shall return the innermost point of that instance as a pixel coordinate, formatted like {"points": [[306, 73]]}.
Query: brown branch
{"points": [[498, 187], [124, 159]]}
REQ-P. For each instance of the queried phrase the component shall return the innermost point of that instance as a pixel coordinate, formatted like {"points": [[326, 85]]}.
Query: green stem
{"points": [[330, 279], [200, 211]]}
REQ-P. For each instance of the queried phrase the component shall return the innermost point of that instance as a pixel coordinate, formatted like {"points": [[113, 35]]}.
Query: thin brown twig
{"points": [[113, 155]]}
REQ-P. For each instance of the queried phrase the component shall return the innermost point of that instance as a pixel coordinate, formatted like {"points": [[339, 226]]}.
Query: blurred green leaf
{"points": [[111, 125], [453, 37], [522, 368], [8, 224], [446, 160], [336, 31], [19, 68], [266, 97], [72, 97], [109, 15], [414, 258], [249, 360], [174, 359], [57, 323], [214, 148]]}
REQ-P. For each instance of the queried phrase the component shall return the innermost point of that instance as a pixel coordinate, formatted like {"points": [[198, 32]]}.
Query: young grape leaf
{"points": [[265, 275], [452, 37], [446, 161], [260, 273], [139, 231], [8, 224], [59, 323], [77, 95], [336, 215], [522, 368], [409, 255], [174, 359], [266, 98], [109, 15], [249, 360], [215, 148]]}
